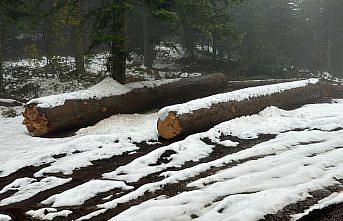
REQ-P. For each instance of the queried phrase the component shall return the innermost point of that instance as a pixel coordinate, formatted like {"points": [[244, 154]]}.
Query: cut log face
{"points": [[35, 122], [175, 124], [43, 120], [171, 126]]}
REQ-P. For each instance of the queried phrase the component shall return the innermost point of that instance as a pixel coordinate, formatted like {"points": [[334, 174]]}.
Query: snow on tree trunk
{"points": [[202, 114], [57, 113]]}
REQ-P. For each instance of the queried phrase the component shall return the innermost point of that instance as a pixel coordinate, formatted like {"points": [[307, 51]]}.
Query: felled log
{"points": [[237, 85], [202, 114], [9, 102], [57, 113], [336, 91]]}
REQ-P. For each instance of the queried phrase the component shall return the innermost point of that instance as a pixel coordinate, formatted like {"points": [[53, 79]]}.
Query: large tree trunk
{"points": [[79, 57], [78, 44], [178, 121], [76, 113], [148, 44], [189, 42], [2, 86], [330, 38], [84, 9], [119, 45], [48, 35]]}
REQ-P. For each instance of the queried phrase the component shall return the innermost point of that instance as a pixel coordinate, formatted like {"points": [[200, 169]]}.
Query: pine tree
{"points": [[10, 13]]}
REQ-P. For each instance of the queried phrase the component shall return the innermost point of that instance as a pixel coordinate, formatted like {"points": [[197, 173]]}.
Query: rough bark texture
{"points": [[78, 43], [148, 44], [203, 119], [80, 113], [336, 91], [1, 58], [119, 45]]}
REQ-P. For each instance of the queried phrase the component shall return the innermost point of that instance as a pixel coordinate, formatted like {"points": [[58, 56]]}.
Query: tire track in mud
{"points": [[95, 171], [102, 166], [326, 214], [80, 176], [330, 213], [173, 189]]}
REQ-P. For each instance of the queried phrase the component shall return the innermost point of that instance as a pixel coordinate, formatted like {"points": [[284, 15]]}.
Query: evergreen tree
{"points": [[10, 13]]}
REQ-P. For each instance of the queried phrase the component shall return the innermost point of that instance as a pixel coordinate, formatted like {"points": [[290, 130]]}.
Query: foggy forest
{"points": [[171, 110]]}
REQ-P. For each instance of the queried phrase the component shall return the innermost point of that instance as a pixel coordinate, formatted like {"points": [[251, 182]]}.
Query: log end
{"points": [[170, 127], [35, 122]]}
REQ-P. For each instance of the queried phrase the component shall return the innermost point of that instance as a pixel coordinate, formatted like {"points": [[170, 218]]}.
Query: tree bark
{"points": [[79, 57], [214, 49], [78, 45], [2, 84], [84, 8], [189, 43], [77, 113], [148, 44], [200, 120], [330, 39], [119, 45]]}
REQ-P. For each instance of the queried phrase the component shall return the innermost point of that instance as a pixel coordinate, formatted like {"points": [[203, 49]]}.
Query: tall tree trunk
{"points": [[84, 8], [78, 50], [2, 86], [148, 44], [189, 43], [119, 45], [79, 57], [330, 36], [48, 35], [214, 50]]}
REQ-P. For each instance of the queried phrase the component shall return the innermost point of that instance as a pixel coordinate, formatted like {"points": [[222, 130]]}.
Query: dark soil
{"points": [[331, 213], [17, 211]]}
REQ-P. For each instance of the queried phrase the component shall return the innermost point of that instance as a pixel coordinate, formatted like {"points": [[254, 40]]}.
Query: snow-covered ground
{"points": [[303, 155], [93, 143]]}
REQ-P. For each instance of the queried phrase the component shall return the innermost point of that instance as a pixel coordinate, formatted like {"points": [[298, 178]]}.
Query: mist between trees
{"points": [[237, 37]]}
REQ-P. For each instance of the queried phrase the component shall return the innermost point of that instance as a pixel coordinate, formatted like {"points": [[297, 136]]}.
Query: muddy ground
{"points": [[17, 211]]}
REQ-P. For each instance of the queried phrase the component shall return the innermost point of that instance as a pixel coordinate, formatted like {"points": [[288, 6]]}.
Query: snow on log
{"points": [[237, 85], [9, 102], [56, 113], [201, 114]]}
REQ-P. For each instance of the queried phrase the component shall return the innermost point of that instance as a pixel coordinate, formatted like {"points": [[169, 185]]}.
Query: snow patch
{"points": [[113, 136], [335, 198], [190, 149], [48, 213], [253, 189], [78, 195], [31, 189], [5, 217]]}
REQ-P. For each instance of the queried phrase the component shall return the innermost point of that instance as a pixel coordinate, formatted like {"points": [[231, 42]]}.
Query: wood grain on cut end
{"points": [[35, 122], [169, 127]]}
